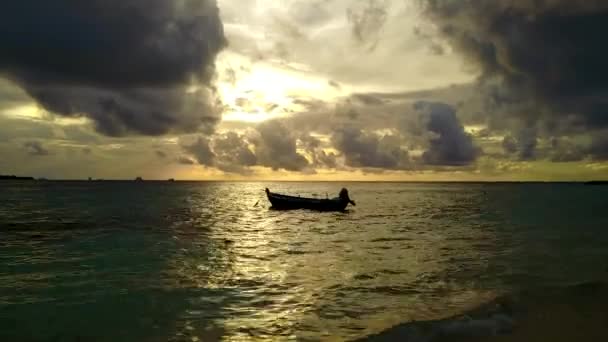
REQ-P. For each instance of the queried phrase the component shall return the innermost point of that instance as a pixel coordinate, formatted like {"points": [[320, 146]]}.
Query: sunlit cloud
{"points": [[33, 112], [262, 91]]}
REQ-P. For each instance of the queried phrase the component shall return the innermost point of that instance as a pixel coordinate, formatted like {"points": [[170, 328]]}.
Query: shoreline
{"points": [[541, 314]]}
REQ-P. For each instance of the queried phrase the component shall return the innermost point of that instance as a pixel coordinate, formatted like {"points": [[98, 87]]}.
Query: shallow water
{"points": [[124, 261]]}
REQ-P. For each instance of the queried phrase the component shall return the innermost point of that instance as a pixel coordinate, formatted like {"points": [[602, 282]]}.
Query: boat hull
{"points": [[283, 202]]}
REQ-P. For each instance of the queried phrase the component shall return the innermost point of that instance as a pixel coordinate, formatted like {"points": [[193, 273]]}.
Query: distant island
{"points": [[597, 183], [13, 177]]}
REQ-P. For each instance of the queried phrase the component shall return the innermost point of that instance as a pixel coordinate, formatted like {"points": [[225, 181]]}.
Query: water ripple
{"points": [[200, 261]]}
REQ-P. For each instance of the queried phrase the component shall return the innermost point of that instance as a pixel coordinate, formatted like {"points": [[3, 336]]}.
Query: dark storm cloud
{"points": [[201, 151], [599, 146], [276, 147], [550, 53], [523, 143], [449, 144], [271, 145], [128, 64], [527, 140], [362, 149], [404, 124], [565, 151], [35, 148], [233, 153]]}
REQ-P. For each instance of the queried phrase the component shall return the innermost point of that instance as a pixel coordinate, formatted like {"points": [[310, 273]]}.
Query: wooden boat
{"points": [[284, 202]]}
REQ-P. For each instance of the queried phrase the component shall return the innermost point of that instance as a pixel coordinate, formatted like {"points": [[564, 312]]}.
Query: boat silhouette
{"points": [[286, 202]]}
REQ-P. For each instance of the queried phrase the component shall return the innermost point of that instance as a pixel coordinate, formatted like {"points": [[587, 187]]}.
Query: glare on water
{"points": [[209, 261]]}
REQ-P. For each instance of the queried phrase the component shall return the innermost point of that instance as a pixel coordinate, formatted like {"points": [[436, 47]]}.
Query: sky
{"points": [[365, 90]]}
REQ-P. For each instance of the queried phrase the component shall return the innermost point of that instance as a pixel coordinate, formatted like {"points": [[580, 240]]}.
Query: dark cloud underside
{"points": [[449, 144], [547, 53], [362, 149], [201, 150], [276, 147], [133, 66]]}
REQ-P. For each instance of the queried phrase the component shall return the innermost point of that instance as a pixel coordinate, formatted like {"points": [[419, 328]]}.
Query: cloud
{"points": [[275, 147], [135, 66], [78, 133], [368, 150], [315, 148], [548, 54], [523, 144], [11, 96], [233, 153], [310, 12], [367, 21], [435, 47], [449, 144], [35, 148], [12, 129], [527, 139], [334, 84], [509, 144], [185, 161], [566, 151], [599, 146], [271, 144], [201, 151]]}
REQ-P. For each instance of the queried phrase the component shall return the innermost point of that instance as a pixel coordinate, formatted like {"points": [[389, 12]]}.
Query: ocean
{"points": [[208, 261]]}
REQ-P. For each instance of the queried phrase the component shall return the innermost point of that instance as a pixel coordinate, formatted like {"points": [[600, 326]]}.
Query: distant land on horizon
{"points": [[139, 179], [13, 177]]}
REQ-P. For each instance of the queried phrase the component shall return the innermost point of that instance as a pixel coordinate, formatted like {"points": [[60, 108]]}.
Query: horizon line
{"points": [[295, 181]]}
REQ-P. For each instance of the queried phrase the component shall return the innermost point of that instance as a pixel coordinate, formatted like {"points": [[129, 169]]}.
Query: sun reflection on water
{"points": [[269, 275]]}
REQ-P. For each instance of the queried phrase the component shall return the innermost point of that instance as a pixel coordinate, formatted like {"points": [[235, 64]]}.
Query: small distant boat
{"points": [[285, 202]]}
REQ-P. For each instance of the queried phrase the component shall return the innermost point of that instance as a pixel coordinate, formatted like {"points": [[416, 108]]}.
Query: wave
{"points": [[567, 313]]}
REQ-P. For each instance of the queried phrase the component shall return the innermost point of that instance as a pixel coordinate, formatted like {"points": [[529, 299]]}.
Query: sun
{"points": [[264, 90]]}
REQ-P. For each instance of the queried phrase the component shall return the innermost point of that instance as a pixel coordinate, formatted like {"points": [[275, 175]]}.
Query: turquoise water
{"points": [[125, 261]]}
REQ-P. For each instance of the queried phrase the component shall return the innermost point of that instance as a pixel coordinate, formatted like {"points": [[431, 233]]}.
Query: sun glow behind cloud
{"points": [[265, 90]]}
